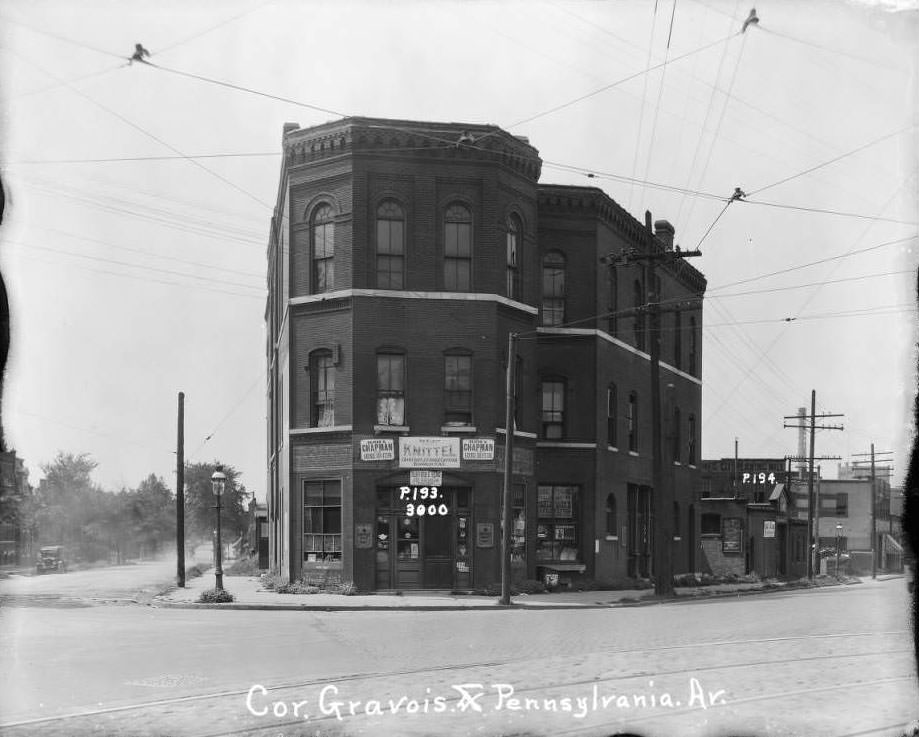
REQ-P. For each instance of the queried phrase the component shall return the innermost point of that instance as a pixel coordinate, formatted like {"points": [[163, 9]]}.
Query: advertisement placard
{"points": [[429, 452], [478, 449], [732, 535], [425, 478], [377, 449], [768, 528]]}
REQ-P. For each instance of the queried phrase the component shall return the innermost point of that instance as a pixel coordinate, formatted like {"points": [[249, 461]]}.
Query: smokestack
{"points": [[648, 221], [664, 232]]}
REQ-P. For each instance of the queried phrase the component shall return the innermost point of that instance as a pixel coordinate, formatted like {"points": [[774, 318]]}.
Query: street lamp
{"points": [[838, 530], [218, 482]]}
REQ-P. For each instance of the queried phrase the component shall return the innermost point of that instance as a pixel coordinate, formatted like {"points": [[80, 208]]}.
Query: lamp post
{"points": [[218, 482], [838, 529]]}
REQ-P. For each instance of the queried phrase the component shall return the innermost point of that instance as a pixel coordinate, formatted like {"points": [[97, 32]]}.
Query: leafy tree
{"points": [[200, 503]]}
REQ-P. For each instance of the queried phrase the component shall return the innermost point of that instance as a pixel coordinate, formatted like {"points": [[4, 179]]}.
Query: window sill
{"points": [[612, 448], [677, 538], [692, 466], [391, 428], [315, 430], [517, 433], [612, 537], [633, 453], [677, 463], [458, 428]]}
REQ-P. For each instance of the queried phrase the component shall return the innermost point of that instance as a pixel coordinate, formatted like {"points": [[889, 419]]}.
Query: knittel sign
{"points": [[432, 452]]}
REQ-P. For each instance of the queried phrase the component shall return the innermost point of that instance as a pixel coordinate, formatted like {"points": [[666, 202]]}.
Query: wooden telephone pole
{"points": [[813, 536], [663, 493], [874, 498]]}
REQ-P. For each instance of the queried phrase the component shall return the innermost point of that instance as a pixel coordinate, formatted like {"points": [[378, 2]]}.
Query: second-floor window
{"points": [[458, 249], [553, 409], [322, 389], [553, 289], [611, 415], [632, 421], [390, 389], [692, 440], [458, 390], [390, 246], [322, 230], [514, 236]]}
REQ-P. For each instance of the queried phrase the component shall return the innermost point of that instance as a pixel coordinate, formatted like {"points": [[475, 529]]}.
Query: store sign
{"points": [[377, 449], [768, 528], [485, 535], [478, 449], [426, 478], [731, 535], [433, 452], [363, 536]]}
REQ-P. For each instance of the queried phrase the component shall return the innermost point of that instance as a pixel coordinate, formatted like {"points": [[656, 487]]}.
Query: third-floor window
{"points": [[390, 389], [458, 249], [458, 390], [514, 238], [322, 229], [553, 289], [390, 246]]}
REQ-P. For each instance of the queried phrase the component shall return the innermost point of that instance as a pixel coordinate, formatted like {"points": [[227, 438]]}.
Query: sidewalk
{"points": [[248, 593]]}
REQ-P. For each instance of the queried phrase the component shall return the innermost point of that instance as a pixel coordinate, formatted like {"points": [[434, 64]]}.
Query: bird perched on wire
{"points": [[751, 19], [466, 138], [139, 53], [739, 194]]}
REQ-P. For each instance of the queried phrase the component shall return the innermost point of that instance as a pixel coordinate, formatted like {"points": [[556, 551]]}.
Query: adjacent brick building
{"points": [[400, 257]]}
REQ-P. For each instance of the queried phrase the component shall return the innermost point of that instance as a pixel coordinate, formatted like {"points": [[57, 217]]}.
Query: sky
{"points": [[139, 196]]}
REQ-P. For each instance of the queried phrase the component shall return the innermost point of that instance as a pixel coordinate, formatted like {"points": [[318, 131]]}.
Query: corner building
{"points": [[401, 256]]}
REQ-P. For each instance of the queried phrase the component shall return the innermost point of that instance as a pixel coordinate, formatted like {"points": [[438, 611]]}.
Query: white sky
{"points": [[131, 281]]}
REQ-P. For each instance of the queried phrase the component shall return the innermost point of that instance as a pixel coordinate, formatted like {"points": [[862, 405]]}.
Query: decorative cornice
{"points": [[417, 139]]}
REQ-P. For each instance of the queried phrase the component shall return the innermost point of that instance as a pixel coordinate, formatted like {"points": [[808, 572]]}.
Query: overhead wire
{"points": [[641, 107]]}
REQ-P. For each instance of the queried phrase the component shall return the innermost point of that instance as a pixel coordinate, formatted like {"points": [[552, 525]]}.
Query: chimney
{"points": [[648, 220], [664, 232], [288, 127]]}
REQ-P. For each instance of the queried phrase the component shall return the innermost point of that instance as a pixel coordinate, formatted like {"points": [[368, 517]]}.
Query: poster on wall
{"points": [[478, 449], [377, 449], [768, 528], [363, 536], [433, 452], [732, 535]]}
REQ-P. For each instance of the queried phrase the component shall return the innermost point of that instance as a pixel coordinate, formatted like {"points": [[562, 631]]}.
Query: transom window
{"points": [[323, 243], [458, 389], [390, 246], [553, 409], [557, 523], [322, 389], [458, 249], [553, 289], [390, 389], [321, 521], [514, 234]]}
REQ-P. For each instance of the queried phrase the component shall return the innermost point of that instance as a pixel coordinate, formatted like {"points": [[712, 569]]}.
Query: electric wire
{"points": [[861, 216], [833, 160], [204, 32], [641, 108], [233, 409]]}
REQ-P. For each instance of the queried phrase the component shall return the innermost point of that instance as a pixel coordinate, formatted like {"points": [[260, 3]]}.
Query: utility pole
{"points": [[735, 466], [508, 469], [813, 536], [874, 503], [663, 493], [180, 495]]}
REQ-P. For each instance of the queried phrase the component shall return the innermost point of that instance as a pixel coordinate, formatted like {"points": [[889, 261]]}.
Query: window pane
{"points": [[313, 495], [396, 240], [312, 519], [390, 411], [331, 519], [463, 280]]}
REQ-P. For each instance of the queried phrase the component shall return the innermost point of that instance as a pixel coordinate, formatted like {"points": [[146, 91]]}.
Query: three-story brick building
{"points": [[401, 255]]}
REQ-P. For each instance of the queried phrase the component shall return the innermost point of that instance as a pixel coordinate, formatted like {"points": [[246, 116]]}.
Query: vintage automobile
{"points": [[51, 558]]}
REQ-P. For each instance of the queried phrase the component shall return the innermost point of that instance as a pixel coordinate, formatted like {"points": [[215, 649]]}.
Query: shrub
{"points": [[215, 596], [196, 570], [269, 581]]}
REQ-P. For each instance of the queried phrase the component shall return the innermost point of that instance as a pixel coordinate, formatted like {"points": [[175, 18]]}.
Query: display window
{"points": [[557, 523]]}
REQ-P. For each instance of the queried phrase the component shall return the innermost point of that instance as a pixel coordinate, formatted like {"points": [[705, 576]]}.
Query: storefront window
{"points": [[408, 548], [518, 525], [557, 526], [321, 521]]}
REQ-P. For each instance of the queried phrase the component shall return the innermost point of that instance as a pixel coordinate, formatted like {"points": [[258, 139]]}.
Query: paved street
{"points": [[834, 661]]}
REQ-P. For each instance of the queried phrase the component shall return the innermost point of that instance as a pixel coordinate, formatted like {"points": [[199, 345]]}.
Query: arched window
{"points": [[553, 288], [322, 229], [677, 340], [514, 240], [611, 415], [613, 325], [693, 363], [632, 421], [553, 408], [458, 249], [638, 300], [675, 434], [390, 246], [611, 521], [322, 389]]}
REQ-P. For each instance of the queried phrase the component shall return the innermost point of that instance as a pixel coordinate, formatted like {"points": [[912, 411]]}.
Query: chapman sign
{"points": [[433, 452], [478, 449], [377, 449]]}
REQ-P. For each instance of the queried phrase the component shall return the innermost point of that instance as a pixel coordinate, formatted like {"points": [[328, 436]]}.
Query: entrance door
{"points": [[437, 534]]}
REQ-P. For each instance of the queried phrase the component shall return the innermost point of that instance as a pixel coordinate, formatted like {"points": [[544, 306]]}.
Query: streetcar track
{"points": [[439, 669]]}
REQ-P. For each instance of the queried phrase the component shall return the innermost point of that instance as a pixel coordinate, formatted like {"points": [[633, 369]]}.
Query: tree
{"points": [[200, 503]]}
